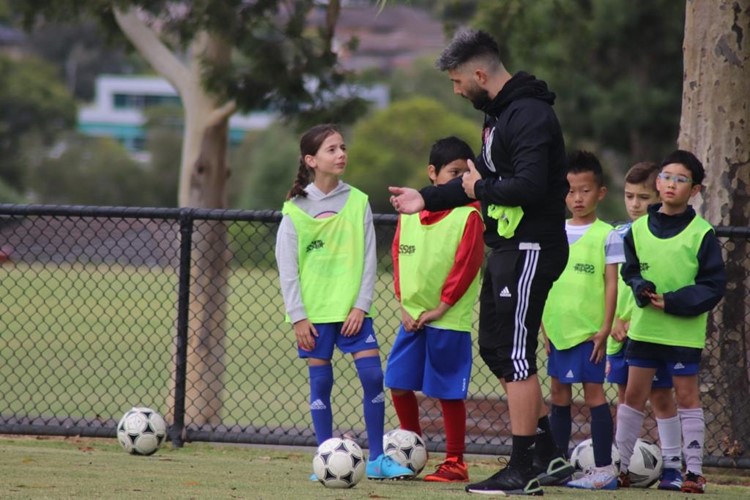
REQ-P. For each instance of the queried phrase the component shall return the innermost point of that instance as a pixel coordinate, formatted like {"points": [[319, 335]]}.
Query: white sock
{"points": [[670, 437], [629, 424], [693, 437]]}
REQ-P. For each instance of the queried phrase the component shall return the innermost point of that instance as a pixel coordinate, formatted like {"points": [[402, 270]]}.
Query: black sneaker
{"points": [[554, 471], [508, 481]]}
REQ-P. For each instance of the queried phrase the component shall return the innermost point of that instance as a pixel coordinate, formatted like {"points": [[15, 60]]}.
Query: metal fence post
{"points": [[183, 307]]}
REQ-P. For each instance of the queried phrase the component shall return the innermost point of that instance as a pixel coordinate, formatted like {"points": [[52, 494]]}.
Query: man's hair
{"points": [[586, 161], [467, 45], [643, 172], [689, 161], [449, 149]]}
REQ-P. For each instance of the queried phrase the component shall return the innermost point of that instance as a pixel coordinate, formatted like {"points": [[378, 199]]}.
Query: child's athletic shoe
{"points": [[508, 481], [597, 478], [313, 477], [384, 467], [693, 483], [623, 480], [671, 479], [450, 471], [554, 471]]}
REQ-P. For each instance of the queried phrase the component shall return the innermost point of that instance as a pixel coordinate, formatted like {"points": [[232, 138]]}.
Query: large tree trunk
{"points": [[203, 178], [715, 125]]}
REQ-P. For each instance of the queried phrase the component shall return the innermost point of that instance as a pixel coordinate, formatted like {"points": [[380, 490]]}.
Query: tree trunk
{"points": [[715, 125], [203, 177]]}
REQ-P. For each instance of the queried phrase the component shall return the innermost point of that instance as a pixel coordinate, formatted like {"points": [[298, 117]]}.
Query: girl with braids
{"points": [[325, 250]]}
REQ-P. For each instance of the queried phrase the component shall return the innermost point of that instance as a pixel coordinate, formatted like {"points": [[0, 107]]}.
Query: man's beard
{"points": [[479, 98]]}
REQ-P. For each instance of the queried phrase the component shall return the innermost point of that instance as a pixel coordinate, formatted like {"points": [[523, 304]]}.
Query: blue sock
{"points": [[373, 402], [321, 384], [561, 424], [602, 428]]}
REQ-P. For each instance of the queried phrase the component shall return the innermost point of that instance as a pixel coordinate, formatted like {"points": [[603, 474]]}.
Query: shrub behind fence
{"points": [[96, 317]]}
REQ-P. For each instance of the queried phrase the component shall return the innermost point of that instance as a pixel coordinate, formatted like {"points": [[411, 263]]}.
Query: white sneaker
{"points": [[597, 478]]}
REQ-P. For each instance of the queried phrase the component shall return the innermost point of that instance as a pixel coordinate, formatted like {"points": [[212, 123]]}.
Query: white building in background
{"points": [[119, 102]]}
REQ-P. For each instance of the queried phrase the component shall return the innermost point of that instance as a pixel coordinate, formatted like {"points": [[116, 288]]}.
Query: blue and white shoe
{"points": [[597, 478], [313, 477], [384, 467], [671, 480]]}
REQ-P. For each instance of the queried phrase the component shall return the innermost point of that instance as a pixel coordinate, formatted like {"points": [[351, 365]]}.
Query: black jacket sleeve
{"points": [[445, 196], [710, 283], [631, 273]]}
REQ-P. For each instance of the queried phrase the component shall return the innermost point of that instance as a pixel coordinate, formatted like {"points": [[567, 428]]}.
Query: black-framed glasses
{"points": [[677, 178]]}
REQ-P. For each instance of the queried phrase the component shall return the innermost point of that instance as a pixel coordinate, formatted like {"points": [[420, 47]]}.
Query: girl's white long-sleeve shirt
{"points": [[319, 204]]}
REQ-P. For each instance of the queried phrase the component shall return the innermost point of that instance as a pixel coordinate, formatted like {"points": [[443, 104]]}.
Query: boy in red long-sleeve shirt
{"points": [[436, 258]]}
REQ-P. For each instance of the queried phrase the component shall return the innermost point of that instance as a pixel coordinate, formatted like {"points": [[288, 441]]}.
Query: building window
{"points": [[130, 101]]}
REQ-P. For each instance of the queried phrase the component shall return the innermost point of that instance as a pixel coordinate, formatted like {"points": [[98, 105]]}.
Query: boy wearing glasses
{"points": [[640, 192], [673, 265]]}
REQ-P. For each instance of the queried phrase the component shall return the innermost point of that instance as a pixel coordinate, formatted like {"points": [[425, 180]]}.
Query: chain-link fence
{"points": [[103, 308]]}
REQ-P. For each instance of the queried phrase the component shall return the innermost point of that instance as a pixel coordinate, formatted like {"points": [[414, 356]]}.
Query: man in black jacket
{"points": [[519, 178]]}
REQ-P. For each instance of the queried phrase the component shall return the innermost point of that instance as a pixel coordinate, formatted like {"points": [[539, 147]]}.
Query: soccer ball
{"points": [[141, 431], [339, 463], [645, 465], [407, 448], [582, 457]]}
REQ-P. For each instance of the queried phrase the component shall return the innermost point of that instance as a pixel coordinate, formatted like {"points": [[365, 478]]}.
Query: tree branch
{"points": [[152, 48], [222, 113]]}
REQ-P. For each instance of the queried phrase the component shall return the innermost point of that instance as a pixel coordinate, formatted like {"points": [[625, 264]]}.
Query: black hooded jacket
{"points": [[522, 163]]}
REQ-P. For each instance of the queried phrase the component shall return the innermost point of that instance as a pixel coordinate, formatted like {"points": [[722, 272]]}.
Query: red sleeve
{"points": [[394, 256], [468, 261]]}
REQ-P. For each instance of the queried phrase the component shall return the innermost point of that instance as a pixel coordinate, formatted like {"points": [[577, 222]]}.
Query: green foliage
{"points": [[89, 171], [5, 11], [81, 53], [278, 50], [32, 102], [164, 144], [615, 66], [264, 167], [9, 195], [423, 79], [391, 148]]}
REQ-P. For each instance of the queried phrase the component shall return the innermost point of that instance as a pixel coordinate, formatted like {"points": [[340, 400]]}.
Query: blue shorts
{"points": [[572, 366], [667, 369], [329, 335], [618, 372], [432, 360]]}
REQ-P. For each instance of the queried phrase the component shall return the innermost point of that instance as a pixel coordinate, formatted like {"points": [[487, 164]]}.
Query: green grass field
{"points": [[92, 340], [57, 468]]}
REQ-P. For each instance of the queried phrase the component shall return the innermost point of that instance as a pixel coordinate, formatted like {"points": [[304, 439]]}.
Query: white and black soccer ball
{"points": [[141, 431], [582, 457], [645, 464], [339, 463], [407, 448]]}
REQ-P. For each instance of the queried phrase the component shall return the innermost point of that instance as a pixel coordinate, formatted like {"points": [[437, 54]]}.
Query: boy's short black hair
{"points": [[449, 149], [689, 161], [467, 45], [585, 161]]}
